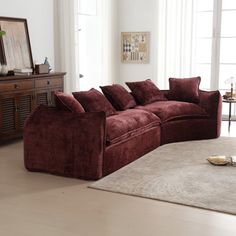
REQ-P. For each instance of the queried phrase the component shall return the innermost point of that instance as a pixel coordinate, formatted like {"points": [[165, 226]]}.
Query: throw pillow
{"points": [[119, 97], [93, 101], [146, 92], [186, 89], [67, 102]]}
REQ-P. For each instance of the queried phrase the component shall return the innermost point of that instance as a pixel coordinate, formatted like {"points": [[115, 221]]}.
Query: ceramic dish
{"points": [[218, 160]]}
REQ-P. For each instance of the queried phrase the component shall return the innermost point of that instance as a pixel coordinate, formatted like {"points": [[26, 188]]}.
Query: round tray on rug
{"points": [[219, 160]]}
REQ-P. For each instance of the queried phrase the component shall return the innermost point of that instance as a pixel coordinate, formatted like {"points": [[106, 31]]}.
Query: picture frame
{"points": [[15, 48], [135, 47]]}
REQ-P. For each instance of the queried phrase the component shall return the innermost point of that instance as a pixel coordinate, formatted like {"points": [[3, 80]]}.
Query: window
{"points": [[197, 38], [227, 65], [214, 42], [202, 41]]}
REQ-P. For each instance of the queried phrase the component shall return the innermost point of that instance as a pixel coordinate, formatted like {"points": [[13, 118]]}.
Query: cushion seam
{"points": [[150, 125]]}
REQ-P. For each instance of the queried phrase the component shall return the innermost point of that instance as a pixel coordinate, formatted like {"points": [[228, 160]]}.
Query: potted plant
{"points": [[2, 33]]}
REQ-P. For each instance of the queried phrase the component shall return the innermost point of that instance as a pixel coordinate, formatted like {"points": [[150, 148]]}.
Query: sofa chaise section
{"points": [[87, 145], [182, 121], [65, 143], [198, 127]]}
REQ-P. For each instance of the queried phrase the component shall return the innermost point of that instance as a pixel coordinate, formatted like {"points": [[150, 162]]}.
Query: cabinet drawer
{"points": [[48, 82], [15, 86]]}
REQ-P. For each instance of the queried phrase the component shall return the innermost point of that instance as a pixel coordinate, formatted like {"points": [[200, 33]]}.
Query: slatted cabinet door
{"points": [[42, 97], [24, 107], [52, 94], [50, 86], [7, 116], [19, 95], [14, 110], [46, 97]]}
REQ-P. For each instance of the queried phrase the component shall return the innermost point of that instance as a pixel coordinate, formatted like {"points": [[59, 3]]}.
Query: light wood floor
{"points": [[35, 204]]}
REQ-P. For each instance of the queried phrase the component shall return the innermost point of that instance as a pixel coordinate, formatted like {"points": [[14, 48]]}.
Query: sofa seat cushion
{"points": [[129, 123], [172, 110]]}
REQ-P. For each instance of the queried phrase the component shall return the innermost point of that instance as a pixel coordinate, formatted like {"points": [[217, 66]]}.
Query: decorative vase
{"points": [[4, 70], [46, 62]]}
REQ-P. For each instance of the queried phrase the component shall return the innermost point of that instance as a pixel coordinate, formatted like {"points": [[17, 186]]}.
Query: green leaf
{"points": [[2, 32]]}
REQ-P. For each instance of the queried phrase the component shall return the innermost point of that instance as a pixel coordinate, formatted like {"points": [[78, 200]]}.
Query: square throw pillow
{"points": [[186, 89], [93, 101], [146, 92], [67, 102], [119, 97]]}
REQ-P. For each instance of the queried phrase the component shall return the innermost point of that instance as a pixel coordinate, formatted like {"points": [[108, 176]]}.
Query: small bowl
{"points": [[218, 160]]}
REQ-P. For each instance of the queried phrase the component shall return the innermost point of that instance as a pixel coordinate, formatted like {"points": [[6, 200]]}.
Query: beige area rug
{"points": [[179, 173]]}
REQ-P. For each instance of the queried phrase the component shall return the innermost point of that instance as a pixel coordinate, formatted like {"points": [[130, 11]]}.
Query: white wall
{"points": [[39, 15], [138, 15]]}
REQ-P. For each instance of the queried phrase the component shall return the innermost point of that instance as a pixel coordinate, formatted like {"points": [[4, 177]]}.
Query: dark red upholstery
{"points": [[65, 143], [94, 101], [90, 145], [67, 102], [122, 153], [128, 124], [188, 129], [195, 129], [146, 92], [118, 96], [212, 103], [171, 110], [186, 89]]}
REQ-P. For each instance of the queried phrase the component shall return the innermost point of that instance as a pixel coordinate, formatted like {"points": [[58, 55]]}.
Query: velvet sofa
{"points": [[82, 139]]}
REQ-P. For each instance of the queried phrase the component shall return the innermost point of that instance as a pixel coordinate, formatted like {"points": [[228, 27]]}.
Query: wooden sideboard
{"points": [[19, 95]]}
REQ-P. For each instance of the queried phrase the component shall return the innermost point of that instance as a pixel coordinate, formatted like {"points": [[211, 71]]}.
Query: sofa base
{"points": [[186, 130], [121, 154]]}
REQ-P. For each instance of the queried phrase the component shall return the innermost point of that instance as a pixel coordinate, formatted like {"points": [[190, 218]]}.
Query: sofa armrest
{"points": [[212, 103], [65, 143]]}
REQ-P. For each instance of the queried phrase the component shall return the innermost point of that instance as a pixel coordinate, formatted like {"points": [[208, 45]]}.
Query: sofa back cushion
{"points": [[93, 101], [186, 90], [146, 92], [67, 102], [119, 97]]}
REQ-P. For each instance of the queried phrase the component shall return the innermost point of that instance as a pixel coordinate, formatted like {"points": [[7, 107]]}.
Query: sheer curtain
{"points": [[174, 39], [67, 57], [65, 50], [110, 43]]}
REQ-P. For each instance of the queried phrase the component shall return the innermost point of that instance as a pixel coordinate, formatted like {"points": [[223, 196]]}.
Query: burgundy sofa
{"points": [[90, 145]]}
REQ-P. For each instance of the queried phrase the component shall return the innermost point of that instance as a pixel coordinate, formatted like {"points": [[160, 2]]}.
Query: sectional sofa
{"points": [[90, 135]]}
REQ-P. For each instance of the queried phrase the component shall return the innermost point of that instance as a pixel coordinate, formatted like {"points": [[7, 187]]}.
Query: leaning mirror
{"points": [[15, 49]]}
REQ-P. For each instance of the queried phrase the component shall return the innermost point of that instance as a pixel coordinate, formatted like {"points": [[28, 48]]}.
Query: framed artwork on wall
{"points": [[135, 47], [15, 49]]}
